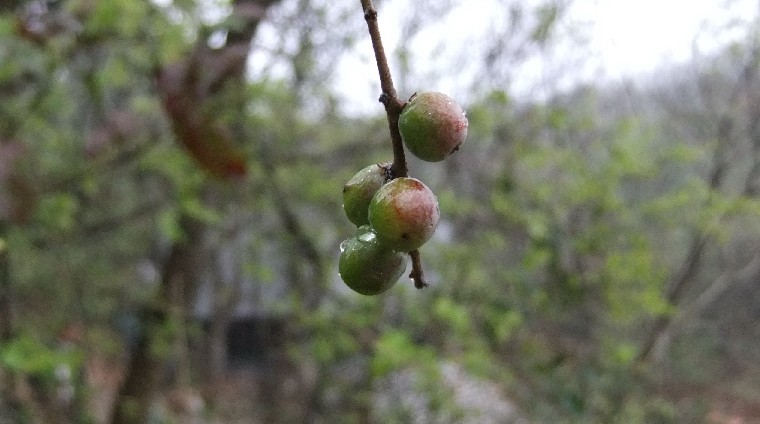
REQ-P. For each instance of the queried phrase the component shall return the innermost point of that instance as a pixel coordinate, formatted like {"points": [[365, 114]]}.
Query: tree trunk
{"points": [[6, 306], [185, 87], [145, 367], [8, 398]]}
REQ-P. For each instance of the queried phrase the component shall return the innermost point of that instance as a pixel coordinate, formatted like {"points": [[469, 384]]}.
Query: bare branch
{"points": [[393, 108]]}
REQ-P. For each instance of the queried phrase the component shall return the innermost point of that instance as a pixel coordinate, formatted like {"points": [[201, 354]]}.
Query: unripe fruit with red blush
{"points": [[432, 126], [367, 266], [404, 213], [359, 190]]}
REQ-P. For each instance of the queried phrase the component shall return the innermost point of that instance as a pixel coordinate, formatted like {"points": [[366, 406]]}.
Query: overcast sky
{"points": [[623, 38], [635, 36]]}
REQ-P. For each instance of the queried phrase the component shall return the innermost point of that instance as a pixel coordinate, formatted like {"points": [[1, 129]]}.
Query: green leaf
{"points": [[193, 207], [168, 224], [395, 350], [58, 211], [26, 355]]}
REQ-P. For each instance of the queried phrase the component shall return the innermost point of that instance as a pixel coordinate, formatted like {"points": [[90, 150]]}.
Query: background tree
{"points": [[170, 174]]}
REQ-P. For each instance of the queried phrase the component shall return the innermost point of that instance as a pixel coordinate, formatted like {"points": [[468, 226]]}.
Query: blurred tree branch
{"points": [[726, 135], [145, 366], [185, 87]]}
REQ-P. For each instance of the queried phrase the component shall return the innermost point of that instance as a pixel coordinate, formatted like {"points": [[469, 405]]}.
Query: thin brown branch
{"points": [[417, 275], [688, 271], [143, 370], [717, 288], [370, 15], [116, 222], [685, 275], [300, 239], [393, 108], [6, 304]]}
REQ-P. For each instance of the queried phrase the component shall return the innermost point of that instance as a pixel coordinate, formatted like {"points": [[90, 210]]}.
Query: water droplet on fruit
{"points": [[369, 237]]}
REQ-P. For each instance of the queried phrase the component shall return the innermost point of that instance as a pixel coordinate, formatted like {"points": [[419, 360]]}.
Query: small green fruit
{"points": [[368, 267], [432, 126], [404, 213], [358, 191]]}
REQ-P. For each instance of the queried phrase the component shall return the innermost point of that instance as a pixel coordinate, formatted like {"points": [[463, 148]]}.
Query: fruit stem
{"points": [[393, 108], [416, 275]]}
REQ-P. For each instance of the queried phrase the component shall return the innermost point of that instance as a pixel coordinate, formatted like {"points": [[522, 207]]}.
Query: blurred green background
{"points": [[170, 216]]}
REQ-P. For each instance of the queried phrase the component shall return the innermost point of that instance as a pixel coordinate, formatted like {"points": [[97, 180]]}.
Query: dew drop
{"points": [[369, 237]]}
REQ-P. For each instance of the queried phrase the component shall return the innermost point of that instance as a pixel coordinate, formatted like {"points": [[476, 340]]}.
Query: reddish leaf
{"points": [[209, 143]]}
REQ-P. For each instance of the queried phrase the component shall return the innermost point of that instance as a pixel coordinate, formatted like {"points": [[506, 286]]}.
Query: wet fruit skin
{"points": [[367, 266], [432, 126], [404, 213], [359, 190]]}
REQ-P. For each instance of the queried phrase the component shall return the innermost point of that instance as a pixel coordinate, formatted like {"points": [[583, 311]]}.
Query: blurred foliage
{"points": [[27, 355], [566, 223]]}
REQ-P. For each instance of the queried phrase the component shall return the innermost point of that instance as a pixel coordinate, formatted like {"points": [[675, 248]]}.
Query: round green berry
{"points": [[358, 191], [432, 126], [404, 213], [368, 267]]}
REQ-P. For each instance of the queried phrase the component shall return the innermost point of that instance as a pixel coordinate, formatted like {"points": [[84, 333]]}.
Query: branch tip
{"points": [[417, 276], [393, 107]]}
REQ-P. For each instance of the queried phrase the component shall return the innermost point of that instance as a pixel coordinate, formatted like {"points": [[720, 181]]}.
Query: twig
{"points": [[393, 108], [416, 275]]}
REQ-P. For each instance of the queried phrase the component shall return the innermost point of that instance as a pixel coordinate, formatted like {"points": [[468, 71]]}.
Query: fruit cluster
{"points": [[395, 216]]}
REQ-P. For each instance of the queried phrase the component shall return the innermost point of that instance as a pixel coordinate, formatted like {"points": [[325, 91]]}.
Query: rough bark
{"points": [[200, 76], [145, 368]]}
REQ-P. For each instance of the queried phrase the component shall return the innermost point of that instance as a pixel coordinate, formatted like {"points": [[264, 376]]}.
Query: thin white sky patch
{"points": [[625, 38], [631, 37]]}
